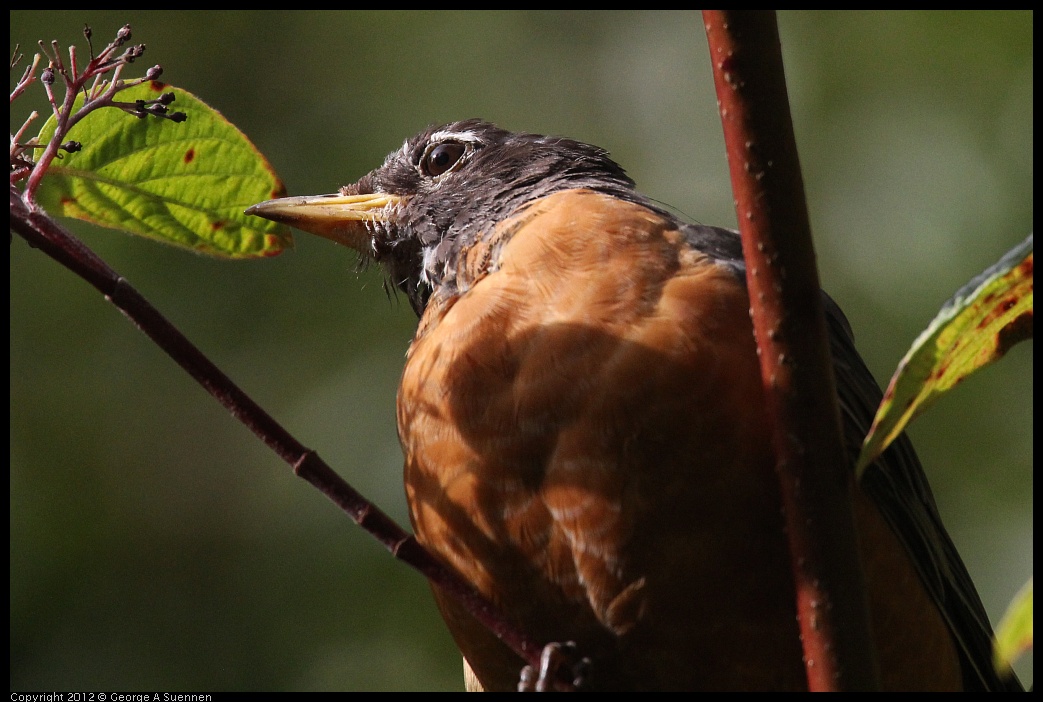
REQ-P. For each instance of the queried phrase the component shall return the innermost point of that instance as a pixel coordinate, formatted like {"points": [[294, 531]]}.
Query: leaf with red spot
{"points": [[185, 184], [976, 327]]}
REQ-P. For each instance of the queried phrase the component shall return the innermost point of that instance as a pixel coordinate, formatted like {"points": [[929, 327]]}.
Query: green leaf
{"points": [[1014, 633], [976, 327], [185, 184]]}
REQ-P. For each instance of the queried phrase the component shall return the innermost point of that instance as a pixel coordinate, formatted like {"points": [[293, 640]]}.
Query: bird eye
{"points": [[441, 158]]}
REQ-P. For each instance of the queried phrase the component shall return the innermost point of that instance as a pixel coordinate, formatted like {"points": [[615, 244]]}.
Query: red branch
{"points": [[816, 481], [44, 233]]}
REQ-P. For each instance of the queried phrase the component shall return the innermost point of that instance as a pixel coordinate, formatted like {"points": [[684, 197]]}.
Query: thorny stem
{"points": [[815, 480]]}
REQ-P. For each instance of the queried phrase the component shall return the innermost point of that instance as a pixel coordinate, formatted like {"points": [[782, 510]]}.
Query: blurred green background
{"points": [[156, 545]]}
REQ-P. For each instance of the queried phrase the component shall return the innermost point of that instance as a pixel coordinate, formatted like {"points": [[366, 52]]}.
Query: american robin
{"points": [[582, 420]]}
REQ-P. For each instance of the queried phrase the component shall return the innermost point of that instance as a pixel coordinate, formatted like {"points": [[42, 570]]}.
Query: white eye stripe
{"points": [[466, 137]]}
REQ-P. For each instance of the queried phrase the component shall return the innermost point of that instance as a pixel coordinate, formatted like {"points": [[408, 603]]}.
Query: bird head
{"points": [[442, 191]]}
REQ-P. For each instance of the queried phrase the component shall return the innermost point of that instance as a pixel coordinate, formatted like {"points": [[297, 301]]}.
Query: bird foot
{"points": [[561, 667]]}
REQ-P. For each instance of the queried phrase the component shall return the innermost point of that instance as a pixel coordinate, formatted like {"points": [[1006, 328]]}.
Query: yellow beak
{"points": [[345, 219]]}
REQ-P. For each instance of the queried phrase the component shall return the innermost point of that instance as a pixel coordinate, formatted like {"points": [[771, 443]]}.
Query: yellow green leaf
{"points": [[1014, 633], [185, 184], [974, 328]]}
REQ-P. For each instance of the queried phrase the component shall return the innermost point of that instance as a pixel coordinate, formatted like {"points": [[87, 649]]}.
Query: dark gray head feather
{"points": [[498, 172]]}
